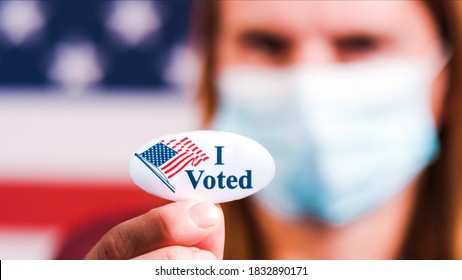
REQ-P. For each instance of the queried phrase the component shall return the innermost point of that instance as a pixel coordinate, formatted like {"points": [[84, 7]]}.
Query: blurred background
{"points": [[82, 85]]}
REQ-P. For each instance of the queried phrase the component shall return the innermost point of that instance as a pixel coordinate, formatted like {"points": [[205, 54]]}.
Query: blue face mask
{"points": [[345, 138]]}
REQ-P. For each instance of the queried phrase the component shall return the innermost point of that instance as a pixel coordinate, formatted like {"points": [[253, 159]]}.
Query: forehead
{"points": [[400, 17]]}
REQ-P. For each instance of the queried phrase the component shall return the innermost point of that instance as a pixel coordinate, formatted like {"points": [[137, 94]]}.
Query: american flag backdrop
{"points": [[82, 85], [91, 43]]}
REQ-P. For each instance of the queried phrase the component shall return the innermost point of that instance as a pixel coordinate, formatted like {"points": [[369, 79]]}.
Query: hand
{"points": [[179, 230]]}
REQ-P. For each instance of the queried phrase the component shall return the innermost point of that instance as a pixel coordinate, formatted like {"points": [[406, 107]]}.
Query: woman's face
{"points": [[285, 33]]}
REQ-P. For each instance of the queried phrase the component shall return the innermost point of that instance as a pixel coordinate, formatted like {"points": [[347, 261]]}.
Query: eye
{"points": [[356, 47], [266, 43]]}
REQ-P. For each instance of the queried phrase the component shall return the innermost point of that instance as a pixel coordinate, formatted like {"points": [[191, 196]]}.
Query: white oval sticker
{"points": [[207, 165]]}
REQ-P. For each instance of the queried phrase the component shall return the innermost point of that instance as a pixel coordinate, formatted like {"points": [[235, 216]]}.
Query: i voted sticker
{"points": [[208, 165]]}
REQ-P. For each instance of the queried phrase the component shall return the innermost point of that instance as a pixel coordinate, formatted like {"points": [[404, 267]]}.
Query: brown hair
{"points": [[436, 228]]}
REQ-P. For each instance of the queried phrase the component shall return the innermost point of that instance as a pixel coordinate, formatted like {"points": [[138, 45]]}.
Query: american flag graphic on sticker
{"points": [[167, 158]]}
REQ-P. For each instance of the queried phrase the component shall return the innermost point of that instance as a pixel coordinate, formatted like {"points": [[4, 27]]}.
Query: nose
{"points": [[314, 51]]}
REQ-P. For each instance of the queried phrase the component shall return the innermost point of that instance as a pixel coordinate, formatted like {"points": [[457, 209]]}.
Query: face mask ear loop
{"points": [[438, 56]]}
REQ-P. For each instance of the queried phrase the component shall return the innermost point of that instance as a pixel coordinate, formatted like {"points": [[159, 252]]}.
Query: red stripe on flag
{"points": [[176, 145], [170, 176], [178, 157], [176, 165], [188, 153], [173, 140]]}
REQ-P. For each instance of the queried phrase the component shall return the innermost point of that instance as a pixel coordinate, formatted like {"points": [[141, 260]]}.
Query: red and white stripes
{"points": [[188, 153]]}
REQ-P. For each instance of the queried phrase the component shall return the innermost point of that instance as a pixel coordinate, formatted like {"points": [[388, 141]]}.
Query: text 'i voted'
{"points": [[209, 165]]}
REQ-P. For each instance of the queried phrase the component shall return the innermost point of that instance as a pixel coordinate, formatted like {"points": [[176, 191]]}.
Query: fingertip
{"points": [[204, 255], [205, 214], [178, 253]]}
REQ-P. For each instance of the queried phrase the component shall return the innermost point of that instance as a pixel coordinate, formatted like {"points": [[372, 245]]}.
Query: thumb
{"points": [[185, 223]]}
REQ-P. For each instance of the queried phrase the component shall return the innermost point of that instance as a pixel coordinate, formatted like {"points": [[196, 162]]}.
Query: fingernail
{"points": [[205, 214]]}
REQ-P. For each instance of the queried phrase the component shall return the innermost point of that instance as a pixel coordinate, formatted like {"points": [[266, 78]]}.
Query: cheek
{"points": [[438, 94]]}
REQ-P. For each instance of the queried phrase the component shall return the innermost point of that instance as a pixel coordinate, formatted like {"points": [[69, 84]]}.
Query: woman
{"points": [[367, 89]]}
